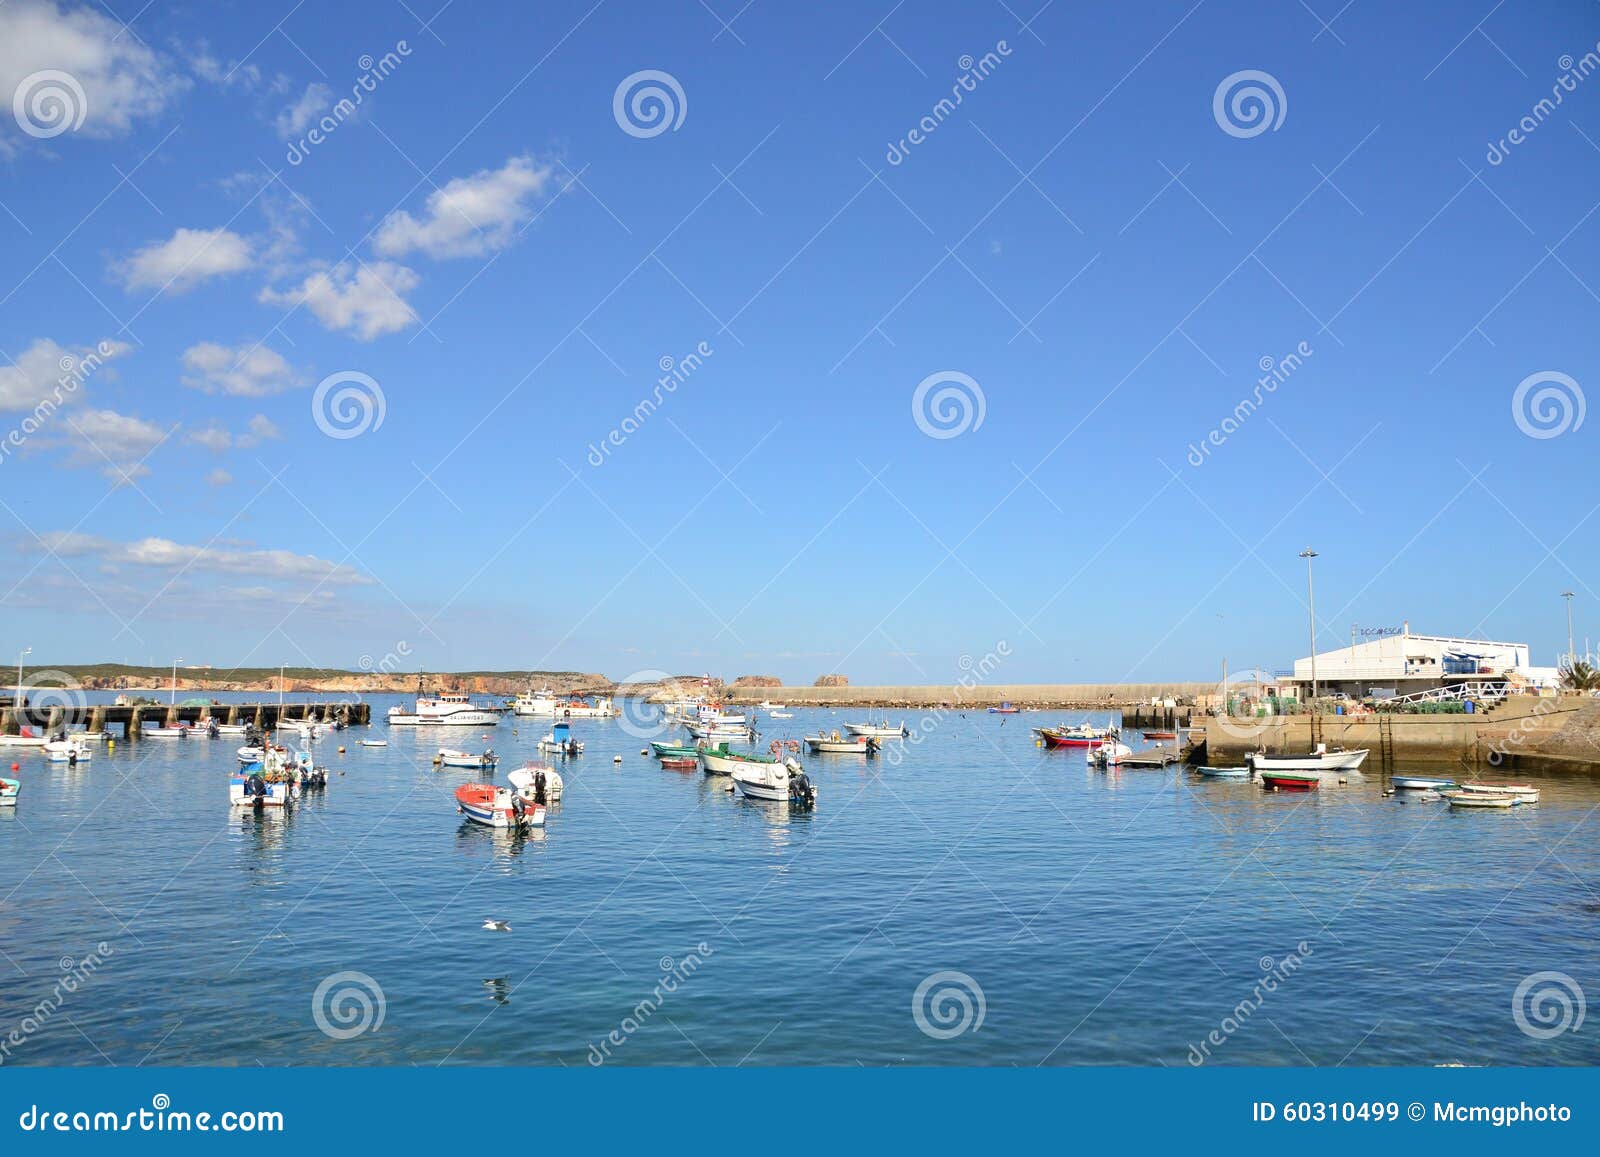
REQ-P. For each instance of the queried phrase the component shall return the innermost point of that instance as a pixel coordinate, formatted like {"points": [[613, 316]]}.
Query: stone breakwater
{"points": [[1027, 696]]}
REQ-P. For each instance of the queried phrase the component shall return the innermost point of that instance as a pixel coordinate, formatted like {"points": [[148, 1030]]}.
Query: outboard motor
{"points": [[538, 788], [872, 746], [519, 808], [801, 791], [256, 788]]}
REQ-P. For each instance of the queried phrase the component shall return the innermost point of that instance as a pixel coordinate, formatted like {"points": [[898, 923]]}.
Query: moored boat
{"points": [[8, 791], [451, 757], [1082, 735], [1421, 783], [1480, 799], [179, 731], [273, 783], [498, 807], [883, 729], [1157, 736], [1004, 709], [837, 744], [560, 741], [25, 738], [1321, 760], [1289, 781], [446, 709], [722, 759], [1224, 772], [69, 751], [373, 743], [1521, 792], [777, 782], [538, 782]]}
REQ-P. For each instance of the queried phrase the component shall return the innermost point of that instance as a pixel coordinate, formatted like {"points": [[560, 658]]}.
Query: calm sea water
{"points": [[1049, 914]]}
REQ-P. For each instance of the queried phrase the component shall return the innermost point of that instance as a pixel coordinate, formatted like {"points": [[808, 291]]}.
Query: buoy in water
{"points": [[616, 759], [341, 749], [644, 751]]}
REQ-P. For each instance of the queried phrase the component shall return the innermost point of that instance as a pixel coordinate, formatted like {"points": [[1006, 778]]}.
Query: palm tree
{"points": [[1580, 676]]}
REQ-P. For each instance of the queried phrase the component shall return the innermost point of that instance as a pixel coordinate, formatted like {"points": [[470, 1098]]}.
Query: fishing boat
{"points": [[1160, 736], [88, 736], [837, 744], [1290, 781], [498, 807], [721, 732], [538, 781], [783, 782], [1521, 792], [722, 759], [537, 703], [1480, 799], [768, 705], [178, 731], [8, 791], [1004, 709], [70, 751], [880, 730], [450, 757], [560, 741], [25, 738], [660, 747], [272, 783], [586, 707], [1109, 754], [1322, 760], [446, 709], [780, 714], [1421, 783], [252, 753], [231, 729], [1083, 735], [1224, 772], [680, 762], [373, 743]]}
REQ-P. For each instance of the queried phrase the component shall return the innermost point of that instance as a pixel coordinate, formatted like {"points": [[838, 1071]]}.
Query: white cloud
{"points": [[246, 76], [367, 300], [164, 554], [470, 216], [216, 437], [115, 443], [121, 79], [252, 371], [45, 368], [299, 115], [219, 477], [184, 260]]}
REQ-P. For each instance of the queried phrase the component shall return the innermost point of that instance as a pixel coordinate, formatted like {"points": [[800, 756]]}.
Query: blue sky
{"points": [[1094, 250]]}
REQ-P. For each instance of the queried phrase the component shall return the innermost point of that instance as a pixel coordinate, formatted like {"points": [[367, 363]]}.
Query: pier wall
{"points": [[99, 716], [1024, 695]]}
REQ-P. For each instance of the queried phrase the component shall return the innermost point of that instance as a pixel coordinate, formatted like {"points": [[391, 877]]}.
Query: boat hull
{"points": [[868, 731], [494, 807], [1328, 761], [838, 746], [1289, 782], [1421, 783]]}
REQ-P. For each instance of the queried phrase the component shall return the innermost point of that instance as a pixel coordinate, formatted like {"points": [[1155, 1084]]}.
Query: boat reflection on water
{"points": [[504, 842], [499, 989], [262, 836]]}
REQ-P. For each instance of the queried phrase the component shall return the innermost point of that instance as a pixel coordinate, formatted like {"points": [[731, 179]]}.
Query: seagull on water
{"points": [[496, 926]]}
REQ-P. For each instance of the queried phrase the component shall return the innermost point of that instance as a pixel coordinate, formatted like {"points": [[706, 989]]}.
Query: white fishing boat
{"points": [[26, 739], [374, 743], [882, 729], [88, 736], [252, 753], [537, 703], [1320, 760], [232, 729], [836, 744], [586, 707], [1110, 753], [768, 705], [451, 757], [8, 791], [560, 741], [721, 732], [780, 714], [526, 779], [783, 782], [70, 751], [446, 709], [272, 783], [179, 731]]}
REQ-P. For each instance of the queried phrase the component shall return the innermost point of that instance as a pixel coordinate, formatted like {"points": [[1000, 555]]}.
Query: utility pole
{"points": [[1311, 598], [1570, 657]]}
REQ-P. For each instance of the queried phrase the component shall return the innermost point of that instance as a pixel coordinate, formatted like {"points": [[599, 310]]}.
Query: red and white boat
{"points": [[1080, 736], [498, 807]]}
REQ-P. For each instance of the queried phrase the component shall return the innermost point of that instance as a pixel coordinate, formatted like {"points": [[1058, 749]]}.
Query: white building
{"points": [[1402, 663]]}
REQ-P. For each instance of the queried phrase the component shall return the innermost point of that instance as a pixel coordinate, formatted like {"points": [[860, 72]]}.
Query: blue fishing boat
{"points": [[1224, 772]]}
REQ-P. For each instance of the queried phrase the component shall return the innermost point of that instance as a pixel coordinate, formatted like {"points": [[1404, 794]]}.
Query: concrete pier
{"points": [[101, 716]]}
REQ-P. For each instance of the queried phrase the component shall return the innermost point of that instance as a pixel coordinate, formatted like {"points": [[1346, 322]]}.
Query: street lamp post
{"points": [[1570, 656], [1311, 597], [174, 698], [16, 704]]}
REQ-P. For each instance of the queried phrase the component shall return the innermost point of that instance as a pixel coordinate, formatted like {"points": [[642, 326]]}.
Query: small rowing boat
{"points": [[374, 743], [837, 744], [8, 792], [1160, 735], [1082, 735], [1224, 772], [1480, 799], [450, 757], [1289, 781], [1004, 709], [1521, 792], [1421, 783]]}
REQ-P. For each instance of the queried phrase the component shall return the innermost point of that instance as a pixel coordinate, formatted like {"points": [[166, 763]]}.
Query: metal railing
{"points": [[1477, 690]]}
